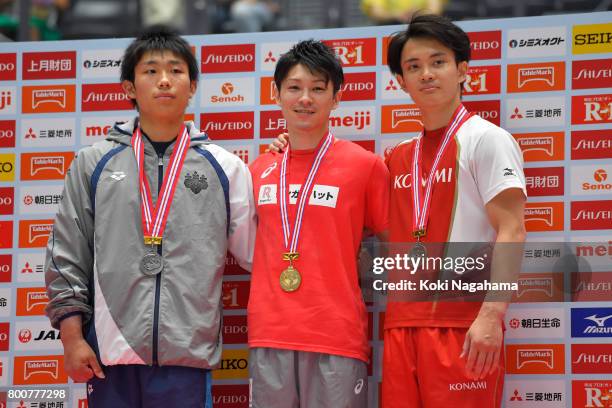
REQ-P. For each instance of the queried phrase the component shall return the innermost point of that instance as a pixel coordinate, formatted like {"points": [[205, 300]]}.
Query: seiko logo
{"points": [[468, 386], [225, 59], [593, 215], [585, 358], [105, 97], [593, 73], [441, 176], [593, 38], [216, 126], [485, 45], [359, 120], [234, 364]]}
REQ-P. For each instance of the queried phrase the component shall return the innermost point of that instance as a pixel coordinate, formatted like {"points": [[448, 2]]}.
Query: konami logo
{"points": [[591, 144], [544, 216], [485, 44], [6, 234], [591, 215], [235, 330], [34, 233], [8, 66], [357, 52], [540, 287], [535, 359], [354, 120], [49, 65], [359, 86], [45, 166], [591, 109], [228, 92], [230, 396], [401, 119], [7, 133], [546, 146], [592, 394], [48, 99], [228, 58], [7, 197], [591, 286], [103, 97], [31, 301], [228, 125], [544, 181], [591, 358], [488, 110], [271, 124], [31, 370], [235, 294], [540, 77], [588, 74], [482, 80]]}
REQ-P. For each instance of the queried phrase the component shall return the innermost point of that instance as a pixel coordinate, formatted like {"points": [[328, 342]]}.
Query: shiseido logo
{"points": [[593, 73], [593, 215], [105, 97], [225, 59], [224, 126]]}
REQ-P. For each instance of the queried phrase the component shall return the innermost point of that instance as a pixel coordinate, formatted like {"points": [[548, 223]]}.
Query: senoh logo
{"points": [[34, 233], [544, 216], [7, 197], [49, 65], [4, 336], [545, 146], [6, 267], [235, 330], [39, 370], [591, 215], [591, 179], [591, 358], [591, 144], [103, 97], [358, 52], [45, 166], [359, 86], [401, 119], [228, 58], [544, 181], [541, 77], [488, 110], [234, 365], [266, 89], [228, 92], [485, 44], [539, 287], [6, 234], [7, 133], [543, 42], [591, 287], [7, 166], [587, 74], [235, 295], [48, 99], [592, 393], [271, 124], [592, 38], [230, 396], [228, 125], [535, 359], [31, 301], [592, 322], [482, 80], [591, 109], [8, 67]]}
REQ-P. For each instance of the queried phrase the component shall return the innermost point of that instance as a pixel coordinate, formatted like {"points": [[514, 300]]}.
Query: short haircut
{"points": [[317, 57], [429, 26], [157, 38]]}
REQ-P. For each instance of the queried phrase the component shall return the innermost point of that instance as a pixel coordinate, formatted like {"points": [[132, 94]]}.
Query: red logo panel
{"points": [[591, 109], [535, 359], [591, 286], [5, 329], [230, 396], [39, 370], [7, 133], [541, 77], [482, 80], [271, 124], [232, 267], [591, 144], [587, 74], [8, 67], [228, 125], [6, 267], [359, 86], [49, 65], [7, 198], [544, 216], [31, 301], [48, 99], [544, 181], [591, 358], [488, 110], [591, 215], [545, 146], [34, 233], [592, 394], [6, 234], [103, 97], [228, 58], [485, 44], [357, 52], [235, 330], [45, 166], [235, 295]]}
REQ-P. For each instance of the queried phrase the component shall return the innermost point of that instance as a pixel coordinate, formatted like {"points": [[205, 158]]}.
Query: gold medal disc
{"points": [[290, 279]]}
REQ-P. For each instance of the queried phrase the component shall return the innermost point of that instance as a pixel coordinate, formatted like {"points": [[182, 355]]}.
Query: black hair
{"points": [[316, 57], [430, 26]]}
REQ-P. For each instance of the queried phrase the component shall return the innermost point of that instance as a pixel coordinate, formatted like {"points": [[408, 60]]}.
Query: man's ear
{"points": [[194, 87], [129, 89], [462, 67], [337, 98], [276, 93], [400, 81]]}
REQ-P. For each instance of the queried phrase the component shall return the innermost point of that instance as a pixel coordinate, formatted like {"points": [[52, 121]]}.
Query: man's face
{"points": [[430, 74], [306, 99], [161, 86]]}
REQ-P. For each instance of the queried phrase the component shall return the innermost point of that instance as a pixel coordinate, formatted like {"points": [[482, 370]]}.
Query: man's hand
{"points": [[483, 345], [80, 361], [278, 145]]}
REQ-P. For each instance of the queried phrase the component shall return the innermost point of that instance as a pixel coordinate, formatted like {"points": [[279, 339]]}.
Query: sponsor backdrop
{"points": [[547, 80]]}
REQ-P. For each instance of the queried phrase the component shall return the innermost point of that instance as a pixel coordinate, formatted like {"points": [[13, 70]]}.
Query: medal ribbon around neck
{"points": [[304, 193], [422, 200], [154, 223]]}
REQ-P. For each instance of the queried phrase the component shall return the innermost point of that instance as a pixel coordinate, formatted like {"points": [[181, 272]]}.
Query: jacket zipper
{"points": [[160, 180]]}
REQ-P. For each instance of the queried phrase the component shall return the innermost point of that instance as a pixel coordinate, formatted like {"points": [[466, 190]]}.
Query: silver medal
{"points": [[418, 250], [151, 264]]}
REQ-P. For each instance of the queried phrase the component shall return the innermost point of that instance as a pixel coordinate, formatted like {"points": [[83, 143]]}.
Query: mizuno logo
{"points": [[599, 321]]}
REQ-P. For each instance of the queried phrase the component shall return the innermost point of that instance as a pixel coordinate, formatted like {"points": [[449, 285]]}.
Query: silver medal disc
{"points": [[151, 264], [418, 250]]}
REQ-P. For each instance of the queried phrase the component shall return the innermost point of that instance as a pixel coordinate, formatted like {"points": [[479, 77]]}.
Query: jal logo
{"points": [[351, 121], [591, 287], [8, 66], [31, 301], [401, 119], [235, 330], [234, 365], [543, 42], [271, 124], [536, 77], [7, 197], [359, 86], [544, 216], [34, 233], [539, 287], [7, 167], [228, 92], [228, 125], [30, 370], [588, 74], [488, 110], [591, 38], [535, 359], [230, 396], [45, 166], [482, 80], [49, 65], [485, 44], [544, 181], [545, 146], [592, 322], [4, 336], [591, 144], [48, 99], [235, 295], [592, 393], [103, 97], [357, 52], [6, 234], [228, 58], [6, 267], [591, 358], [591, 109], [7, 133], [591, 215], [7, 100]]}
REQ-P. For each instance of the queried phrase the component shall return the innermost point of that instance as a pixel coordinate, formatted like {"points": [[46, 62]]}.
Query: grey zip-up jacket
{"points": [[94, 252]]}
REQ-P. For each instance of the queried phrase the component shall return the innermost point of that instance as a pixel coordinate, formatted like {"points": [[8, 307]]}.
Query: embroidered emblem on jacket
{"points": [[196, 182]]}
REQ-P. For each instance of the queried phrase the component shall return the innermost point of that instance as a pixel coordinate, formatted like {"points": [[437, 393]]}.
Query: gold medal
{"points": [[290, 279]]}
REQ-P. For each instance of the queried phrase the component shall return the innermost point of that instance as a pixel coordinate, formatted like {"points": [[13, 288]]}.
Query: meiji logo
{"points": [[8, 64], [228, 125], [468, 386], [482, 80], [49, 65], [354, 52], [357, 120], [271, 124], [488, 110], [590, 109], [535, 358], [401, 119], [587, 74], [485, 44], [5, 99], [96, 131], [591, 144], [594, 250], [228, 58], [591, 358], [592, 38], [544, 181], [591, 215], [592, 393], [100, 97], [7, 105]]}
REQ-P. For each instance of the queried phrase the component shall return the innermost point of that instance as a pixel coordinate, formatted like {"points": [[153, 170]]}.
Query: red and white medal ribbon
{"points": [[422, 200], [154, 217], [304, 194]]}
